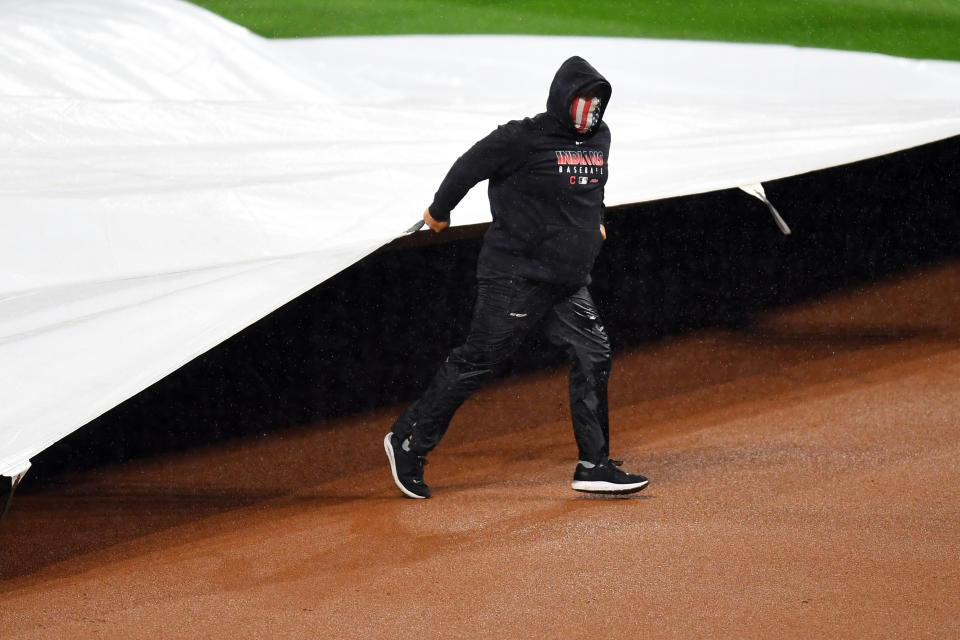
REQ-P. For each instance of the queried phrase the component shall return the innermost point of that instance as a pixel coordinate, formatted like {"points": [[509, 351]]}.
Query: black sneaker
{"points": [[607, 478], [406, 467]]}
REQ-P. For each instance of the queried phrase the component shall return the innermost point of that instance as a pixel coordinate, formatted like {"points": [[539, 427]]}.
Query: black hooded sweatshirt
{"points": [[546, 186]]}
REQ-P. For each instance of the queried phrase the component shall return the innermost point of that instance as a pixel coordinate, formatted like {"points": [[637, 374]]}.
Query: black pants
{"points": [[505, 311]]}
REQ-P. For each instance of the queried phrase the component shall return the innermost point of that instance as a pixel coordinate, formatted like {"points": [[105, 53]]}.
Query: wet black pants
{"points": [[505, 311]]}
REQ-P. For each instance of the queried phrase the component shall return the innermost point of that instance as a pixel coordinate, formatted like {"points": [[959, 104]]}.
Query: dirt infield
{"points": [[804, 482]]}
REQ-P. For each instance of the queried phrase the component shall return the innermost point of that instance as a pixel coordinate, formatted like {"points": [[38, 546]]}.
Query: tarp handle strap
{"points": [[756, 190], [414, 228], [14, 482]]}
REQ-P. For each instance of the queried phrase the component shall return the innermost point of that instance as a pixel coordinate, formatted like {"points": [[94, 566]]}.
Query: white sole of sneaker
{"points": [[608, 487], [388, 447]]}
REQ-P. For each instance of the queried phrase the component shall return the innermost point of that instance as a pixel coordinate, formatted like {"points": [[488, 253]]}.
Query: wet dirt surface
{"points": [[804, 482]]}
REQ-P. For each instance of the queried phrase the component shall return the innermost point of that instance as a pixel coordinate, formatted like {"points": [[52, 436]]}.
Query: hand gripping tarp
{"points": [[167, 177]]}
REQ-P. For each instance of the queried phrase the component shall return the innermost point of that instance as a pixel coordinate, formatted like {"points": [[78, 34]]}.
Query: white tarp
{"points": [[167, 178]]}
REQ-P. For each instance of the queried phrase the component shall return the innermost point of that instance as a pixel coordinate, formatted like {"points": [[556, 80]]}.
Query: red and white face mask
{"points": [[585, 112]]}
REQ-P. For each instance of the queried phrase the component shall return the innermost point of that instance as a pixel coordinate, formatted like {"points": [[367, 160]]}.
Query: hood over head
{"points": [[576, 77]]}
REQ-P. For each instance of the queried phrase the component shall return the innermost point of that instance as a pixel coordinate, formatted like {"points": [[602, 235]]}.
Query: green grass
{"points": [[911, 28]]}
